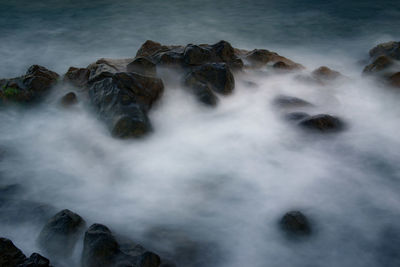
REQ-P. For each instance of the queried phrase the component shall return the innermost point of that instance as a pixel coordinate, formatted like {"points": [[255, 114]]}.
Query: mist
{"points": [[216, 179]]}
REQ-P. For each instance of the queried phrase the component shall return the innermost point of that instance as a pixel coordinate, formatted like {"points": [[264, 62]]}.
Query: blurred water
{"points": [[222, 177]]}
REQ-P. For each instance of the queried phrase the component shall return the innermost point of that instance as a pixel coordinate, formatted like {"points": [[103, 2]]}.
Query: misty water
{"points": [[218, 180]]}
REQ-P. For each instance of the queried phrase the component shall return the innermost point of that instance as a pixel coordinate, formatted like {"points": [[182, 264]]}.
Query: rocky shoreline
{"points": [[121, 92]]}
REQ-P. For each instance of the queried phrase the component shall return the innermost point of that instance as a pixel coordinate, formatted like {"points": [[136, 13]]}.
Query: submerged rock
{"points": [[322, 123], [102, 249], [69, 99], [379, 64], [123, 100], [60, 234], [284, 101], [28, 88], [324, 73], [295, 116], [295, 224]]}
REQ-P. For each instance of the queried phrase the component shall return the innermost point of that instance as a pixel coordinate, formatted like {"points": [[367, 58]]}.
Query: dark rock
{"points": [[325, 74], [142, 66], [204, 94], [226, 53], [36, 260], [284, 101], [196, 55], [295, 116], [389, 49], [78, 77], [28, 88], [10, 255], [69, 99], [395, 80], [123, 100], [216, 75], [102, 249], [379, 64], [281, 65], [322, 123], [169, 59], [60, 234], [295, 223], [149, 48], [259, 57]]}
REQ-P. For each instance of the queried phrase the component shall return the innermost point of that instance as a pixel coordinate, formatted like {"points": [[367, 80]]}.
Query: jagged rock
{"points": [[149, 48], [325, 74], [69, 99], [322, 123], [28, 88], [389, 49], [60, 234], [102, 249], [295, 224], [258, 58], [142, 66], [196, 55], [379, 64], [217, 75], [77, 76], [284, 101], [123, 100], [36, 260], [10, 255]]}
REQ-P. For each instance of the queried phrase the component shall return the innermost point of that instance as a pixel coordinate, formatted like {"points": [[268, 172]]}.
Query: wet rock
{"points": [[69, 99], [36, 260], [78, 77], [196, 55], [295, 116], [379, 64], [395, 80], [284, 66], [284, 101], [149, 48], [102, 249], [217, 76], [389, 49], [204, 94], [169, 59], [295, 224], [142, 66], [325, 74], [226, 53], [10, 255], [60, 234], [123, 100], [28, 88], [258, 58], [322, 123]]}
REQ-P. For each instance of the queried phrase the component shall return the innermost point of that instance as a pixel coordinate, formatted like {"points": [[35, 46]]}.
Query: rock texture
{"points": [[295, 224]]}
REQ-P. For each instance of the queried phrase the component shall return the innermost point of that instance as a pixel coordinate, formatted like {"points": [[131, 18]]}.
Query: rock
{"points": [[216, 75], [28, 88], [10, 255], [123, 100], [295, 116], [36, 260], [196, 55], [78, 77], [142, 66], [60, 234], [258, 58], [226, 53], [322, 123], [281, 65], [395, 80], [102, 249], [149, 48], [295, 224], [204, 94], [69, 99], [325, 74], [379, 64], [389, 49], [284, 101]]}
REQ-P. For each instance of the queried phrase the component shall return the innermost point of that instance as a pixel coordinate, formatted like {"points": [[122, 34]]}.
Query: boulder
{"points": [[325, 74], [217, 76], [295, 224], [10, 255], [379, 64], [142, 66], [28, 88], [101, 248], [60, 234], [322, 123], [36, 260], [395, 79], [69, 99], [258, 58], [77, 76], [123, 101], [196, 55], [389, 49], [283, 101]]}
